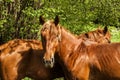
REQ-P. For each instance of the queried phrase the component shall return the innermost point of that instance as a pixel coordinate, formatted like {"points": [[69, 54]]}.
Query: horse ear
{"points": [[41, 20], [105, 29], [56, 20]]}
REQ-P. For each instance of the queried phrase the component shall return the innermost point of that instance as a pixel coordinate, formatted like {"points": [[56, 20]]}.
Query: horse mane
{"points": [[86, 35], [68, 32], [16, 42], [98, 35], [5, 45]]}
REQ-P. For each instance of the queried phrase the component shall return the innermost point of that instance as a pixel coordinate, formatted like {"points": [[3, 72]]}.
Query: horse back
{"points": [[106, 58]]}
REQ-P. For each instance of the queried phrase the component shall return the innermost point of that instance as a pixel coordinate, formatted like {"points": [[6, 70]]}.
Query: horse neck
{"points": [[72, 54], [67, 44]]}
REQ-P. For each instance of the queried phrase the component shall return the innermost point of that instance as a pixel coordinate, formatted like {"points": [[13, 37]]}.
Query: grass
{"points": [[27, 78], [115, 34]]}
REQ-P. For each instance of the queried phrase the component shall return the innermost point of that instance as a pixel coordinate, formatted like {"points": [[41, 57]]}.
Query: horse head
{"points": [[50, 33], [99, 35]]}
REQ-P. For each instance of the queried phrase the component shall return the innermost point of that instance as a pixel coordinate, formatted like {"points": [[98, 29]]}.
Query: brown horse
{"points": [[18, 54], [35, 67], [78, 57], [20, 58]]}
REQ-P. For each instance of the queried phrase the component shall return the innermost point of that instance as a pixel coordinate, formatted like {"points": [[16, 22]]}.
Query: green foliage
{"points": [[27, 78], [59, 79], [115, 33], [20, 19]]}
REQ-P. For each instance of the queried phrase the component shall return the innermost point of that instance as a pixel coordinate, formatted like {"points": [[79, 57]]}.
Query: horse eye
{"points": [[44, 29], [99, 31], [86, 35], [57, 35]]}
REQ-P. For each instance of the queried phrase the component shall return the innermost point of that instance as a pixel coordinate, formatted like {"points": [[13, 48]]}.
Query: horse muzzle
{"points": [[49, 63]]}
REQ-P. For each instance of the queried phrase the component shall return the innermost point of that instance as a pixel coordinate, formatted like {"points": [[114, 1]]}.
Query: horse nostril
{"points": [[44, 61], [52, 60], [47, 62]]}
